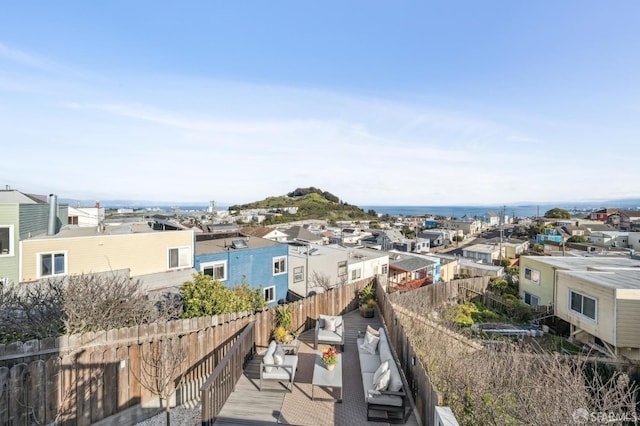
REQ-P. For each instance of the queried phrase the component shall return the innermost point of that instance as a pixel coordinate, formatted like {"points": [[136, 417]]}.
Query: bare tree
{"points": [[321, 280], [102, 302], [162, 369], [515, 384], [32, 311]]}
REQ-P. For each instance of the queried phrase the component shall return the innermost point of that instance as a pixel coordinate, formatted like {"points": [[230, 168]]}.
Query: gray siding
{"points": [[9, 264], [34, 219], [627, 320]]}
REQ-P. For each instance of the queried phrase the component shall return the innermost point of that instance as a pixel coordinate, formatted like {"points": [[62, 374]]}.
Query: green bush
{"points": [[204, 296]]}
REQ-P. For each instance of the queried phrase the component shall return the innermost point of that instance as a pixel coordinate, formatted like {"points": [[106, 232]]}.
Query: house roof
{"points": [[585, 263], [257, 231], [409, 263], [221, 245], [74, 231], [617, 278], [16, 197], [298, 232], [482, 248]]}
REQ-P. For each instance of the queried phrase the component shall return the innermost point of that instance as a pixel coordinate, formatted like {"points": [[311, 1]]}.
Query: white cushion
{"points": [[383, 381], [330, 324], [268, 356], [370, 343], [373, 331], [278, 356], [381, 369]]}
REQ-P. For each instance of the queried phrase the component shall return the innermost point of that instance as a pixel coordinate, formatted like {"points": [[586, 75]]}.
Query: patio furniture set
{"points": [[381, 379]]}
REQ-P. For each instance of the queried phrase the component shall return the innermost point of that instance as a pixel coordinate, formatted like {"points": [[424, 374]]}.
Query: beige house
{"points": [[538, 274], [603, 308], [485, 253], [76, 250]]}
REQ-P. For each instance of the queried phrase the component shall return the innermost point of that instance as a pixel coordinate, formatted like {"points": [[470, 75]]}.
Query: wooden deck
{"points": [[248, 406]]}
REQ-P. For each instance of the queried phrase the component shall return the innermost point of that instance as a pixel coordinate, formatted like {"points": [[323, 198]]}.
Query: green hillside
{"points": [[312, 203]]}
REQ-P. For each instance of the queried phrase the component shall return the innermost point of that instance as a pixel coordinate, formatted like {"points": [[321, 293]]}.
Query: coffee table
{"points": [[325, 378], [291, 348]]}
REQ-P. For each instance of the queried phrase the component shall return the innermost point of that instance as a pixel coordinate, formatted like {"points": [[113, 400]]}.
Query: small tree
{"points": [[557, 213], [162, 370], [321, 280]]}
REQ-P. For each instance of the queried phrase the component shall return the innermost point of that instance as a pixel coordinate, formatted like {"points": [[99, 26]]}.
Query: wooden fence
{"points": [[222, 382], [416, 303], [82, 379]]}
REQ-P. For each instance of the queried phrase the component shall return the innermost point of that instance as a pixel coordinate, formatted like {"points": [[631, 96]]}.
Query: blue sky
{"points": [[380, 103]]}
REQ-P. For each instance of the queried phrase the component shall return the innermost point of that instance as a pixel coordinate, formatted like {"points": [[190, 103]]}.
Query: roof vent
{"points": [[239, 244]]}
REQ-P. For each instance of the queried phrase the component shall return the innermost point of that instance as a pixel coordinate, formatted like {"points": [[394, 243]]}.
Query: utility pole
{"points": [[502, 212]]}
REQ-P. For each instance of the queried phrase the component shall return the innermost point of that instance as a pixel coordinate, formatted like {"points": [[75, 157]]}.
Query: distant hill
{"points": [[312, 203]]}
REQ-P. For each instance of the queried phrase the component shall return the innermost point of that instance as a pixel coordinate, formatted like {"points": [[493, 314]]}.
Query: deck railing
{"points": [[215, 391]]}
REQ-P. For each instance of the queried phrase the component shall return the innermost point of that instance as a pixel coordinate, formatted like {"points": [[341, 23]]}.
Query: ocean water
{"points": [[472, 211]]}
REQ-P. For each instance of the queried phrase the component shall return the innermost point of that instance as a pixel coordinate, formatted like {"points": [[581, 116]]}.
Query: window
{"points": [[216, 270], [179, 257], [356, 274], [52, 264], [384, 269], [583, 305], [531, 300], [73, 220], [342, 268], [270, 294], [532, 275], [6, 240], [298, 274], [279, 265]]}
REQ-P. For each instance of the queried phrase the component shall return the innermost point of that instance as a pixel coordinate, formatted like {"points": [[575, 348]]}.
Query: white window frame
{"points": [[531, 297], [356, 274], [180, 265], [214, 265], [282, 261], [384, 269], [531, 273], [298, 274], [343, 266], [10, 249], [52, 254], [266, 291], [579, 313]]}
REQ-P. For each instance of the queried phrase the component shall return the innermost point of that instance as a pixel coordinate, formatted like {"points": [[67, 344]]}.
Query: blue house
{"points": [[259, 262], [556, 235]]}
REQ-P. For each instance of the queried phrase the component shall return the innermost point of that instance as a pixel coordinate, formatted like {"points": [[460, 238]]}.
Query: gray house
{"points": [[24, 216]]}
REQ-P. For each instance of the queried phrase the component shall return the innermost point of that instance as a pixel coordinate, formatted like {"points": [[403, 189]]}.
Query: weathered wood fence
{"points": [[418, 302], [83, 379]]}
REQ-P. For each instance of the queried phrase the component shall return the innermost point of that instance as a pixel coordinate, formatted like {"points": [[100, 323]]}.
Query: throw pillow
{"points": [[268, 356], [330, 324], [381, 369], [373, 331], [383, 381], [370, 343], [278, 356]]}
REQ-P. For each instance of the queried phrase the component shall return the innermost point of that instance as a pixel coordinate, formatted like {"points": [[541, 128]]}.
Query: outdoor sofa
{"points": [[384, 389]]}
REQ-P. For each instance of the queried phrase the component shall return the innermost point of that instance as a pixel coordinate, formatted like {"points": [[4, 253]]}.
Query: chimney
{"points": [[97, 204], [51, 230]]}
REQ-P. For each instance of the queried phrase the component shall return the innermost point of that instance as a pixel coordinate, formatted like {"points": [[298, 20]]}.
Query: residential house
{"points": [[485, 253], [608, 239], [493, 219], [556, 234], [602, 306], [449, 266], [272, 234], [538, 274], [135, 247], [468, 227], [436, 238], [620, 219], [475, 269], [300, 233], [410, 271], [314, 268], [24, 216], [634, 240], [512, 247], [258, 262], [383, 240], [86, 216]]}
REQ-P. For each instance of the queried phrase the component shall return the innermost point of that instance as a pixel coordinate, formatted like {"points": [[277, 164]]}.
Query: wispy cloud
{"points": [[36, 62]]}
